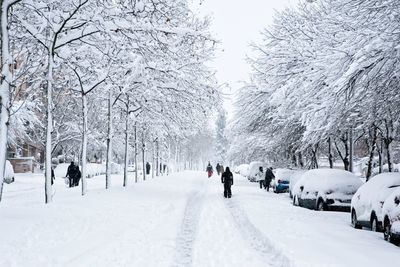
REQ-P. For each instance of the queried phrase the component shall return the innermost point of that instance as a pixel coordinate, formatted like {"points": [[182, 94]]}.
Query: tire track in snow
{"points": [[256, 239], [189, 228]]}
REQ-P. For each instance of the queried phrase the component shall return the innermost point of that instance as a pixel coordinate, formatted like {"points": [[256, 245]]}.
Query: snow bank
{"points": [[371, 195]]}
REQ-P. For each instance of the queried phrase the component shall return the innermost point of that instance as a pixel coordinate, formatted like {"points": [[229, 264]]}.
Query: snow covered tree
{"points": [[221, 142]]}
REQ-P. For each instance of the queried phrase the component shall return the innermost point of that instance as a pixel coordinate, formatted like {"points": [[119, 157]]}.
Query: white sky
{"points": [[236, 24]]}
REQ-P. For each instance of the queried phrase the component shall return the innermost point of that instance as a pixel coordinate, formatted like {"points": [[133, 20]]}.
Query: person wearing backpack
{"points": [[78, 176], [71, 174], [227, 180]]}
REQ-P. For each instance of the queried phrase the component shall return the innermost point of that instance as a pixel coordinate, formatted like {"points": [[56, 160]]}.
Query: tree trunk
{"points": [[109, 143], [153, 160], [373, 135], [84, 143], [345, 157], [136, 153], [6, 62], [49, 126], [300, 158], [126, 148], [351, 150], [157, 158], [330, 156], [143, 157], [388, 139]]}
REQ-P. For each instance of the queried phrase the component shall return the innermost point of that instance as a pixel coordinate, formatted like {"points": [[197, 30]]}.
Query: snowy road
{"points": [[177, 220]]}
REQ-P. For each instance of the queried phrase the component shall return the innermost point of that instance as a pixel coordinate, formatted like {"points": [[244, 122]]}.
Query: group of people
{"points": [[265, 178], [73, 174], [226, 178]]}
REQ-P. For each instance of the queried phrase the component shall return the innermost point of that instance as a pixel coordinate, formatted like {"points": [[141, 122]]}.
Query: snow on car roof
{"points": [[329, 180]]}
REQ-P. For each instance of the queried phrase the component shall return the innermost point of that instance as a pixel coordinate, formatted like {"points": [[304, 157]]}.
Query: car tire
{"points": [[374, 224], [354, 221], [387, 233], [295, 200], [321, 205]]}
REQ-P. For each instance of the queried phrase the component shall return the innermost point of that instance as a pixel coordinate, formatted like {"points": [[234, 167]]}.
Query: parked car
{"points": [[254, 169], [367, 202], [282, 179], [326, 189], [242, 169], [9, 173], [391, 217], [294, 178]]}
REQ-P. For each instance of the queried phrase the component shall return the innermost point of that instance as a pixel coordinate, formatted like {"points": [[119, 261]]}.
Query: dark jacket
{"points": [[73, 171], [269, 175], [209, 168], [227, 178]]}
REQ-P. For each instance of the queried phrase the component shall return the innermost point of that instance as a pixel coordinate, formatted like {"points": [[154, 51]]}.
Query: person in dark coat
{"points": [[52, 176], [148, 167], [227, 180], [77, 176], [218, 168], [269, 175], [72, 173], [209, 170]]}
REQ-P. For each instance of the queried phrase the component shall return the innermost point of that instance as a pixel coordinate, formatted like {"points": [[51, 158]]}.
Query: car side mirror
{"points": [[302, 188], [397, 200]]}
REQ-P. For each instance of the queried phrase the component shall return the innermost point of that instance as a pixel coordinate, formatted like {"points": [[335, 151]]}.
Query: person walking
{"points": [[269, 175], [260, 177], [227, 180], [209, 170], [148, 167], [77, 176], [72, 172], [218, 168]]}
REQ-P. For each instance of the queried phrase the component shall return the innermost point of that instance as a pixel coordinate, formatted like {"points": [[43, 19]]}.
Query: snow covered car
{"points": [[391, 217], [326, 189], [294, 178], [9, 174], [282, 179], [242, 169], [367, 202], [253, 171]]}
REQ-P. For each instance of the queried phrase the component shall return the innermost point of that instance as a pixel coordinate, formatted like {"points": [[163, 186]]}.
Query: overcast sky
{"points": [[236, 24]]}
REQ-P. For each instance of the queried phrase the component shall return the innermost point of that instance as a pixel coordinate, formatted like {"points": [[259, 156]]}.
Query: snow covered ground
{"points": [[176, 220]]}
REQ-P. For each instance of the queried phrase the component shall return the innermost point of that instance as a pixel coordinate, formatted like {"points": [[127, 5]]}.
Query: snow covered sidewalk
{"points": [[177, 220]]}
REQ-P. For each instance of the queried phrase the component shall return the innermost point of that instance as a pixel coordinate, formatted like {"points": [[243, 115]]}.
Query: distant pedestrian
{"points": [[52, 176], [218, 168], [209, 170], [269, 175], [72, 173], [148, 167], [77, 177], [260, 177], [227, 180]]}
